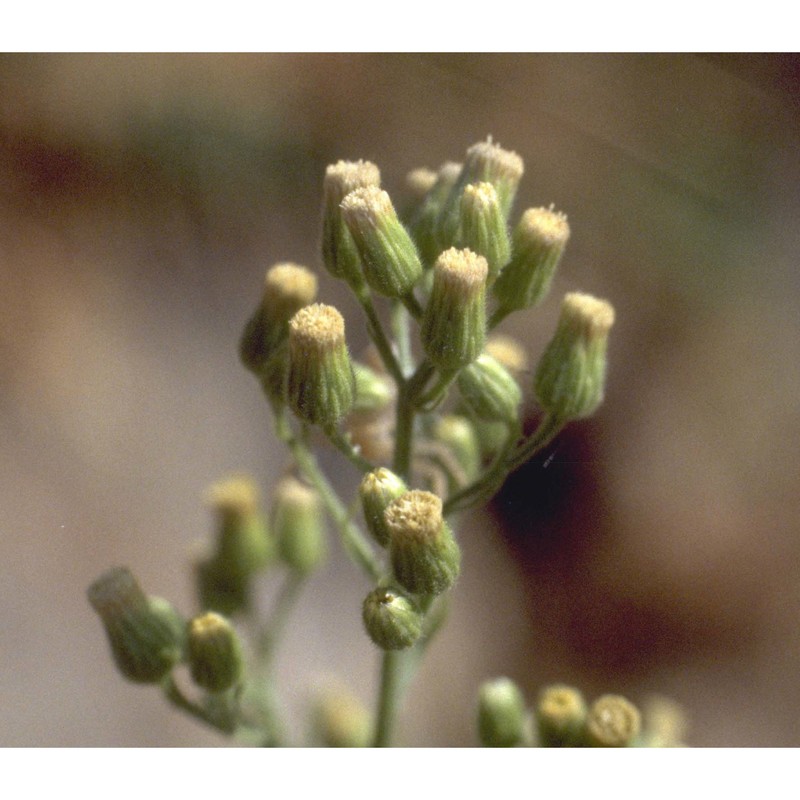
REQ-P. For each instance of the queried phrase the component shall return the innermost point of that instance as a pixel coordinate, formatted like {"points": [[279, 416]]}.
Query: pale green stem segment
{"points": [[223, 718], [355, 545], [401, 329], [344, 446], [404, 425], [507, 460], [378, 336]]}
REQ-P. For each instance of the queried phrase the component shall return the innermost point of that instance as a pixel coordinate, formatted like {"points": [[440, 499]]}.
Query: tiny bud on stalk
{"points": [[502, 716], [391, 619], [215, 654], [320, 382], [570, 378]]}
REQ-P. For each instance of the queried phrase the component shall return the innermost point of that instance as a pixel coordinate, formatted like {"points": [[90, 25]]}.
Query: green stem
{"points": [[404, 423], [378, 336], [412, 304], [402, 335], [506, 462], [173, 693], [355, 545], [344, 446], [389, 697], [284, 604]]}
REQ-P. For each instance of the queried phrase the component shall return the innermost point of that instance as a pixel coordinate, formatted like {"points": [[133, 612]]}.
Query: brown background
{"points": [[142, 197]]}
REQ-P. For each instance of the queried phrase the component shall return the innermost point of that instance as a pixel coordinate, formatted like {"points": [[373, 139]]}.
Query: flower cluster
{"points": [[429, 420]]}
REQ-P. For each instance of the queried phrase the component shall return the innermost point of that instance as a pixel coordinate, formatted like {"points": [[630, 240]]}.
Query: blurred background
{"points": [[653, 549]]}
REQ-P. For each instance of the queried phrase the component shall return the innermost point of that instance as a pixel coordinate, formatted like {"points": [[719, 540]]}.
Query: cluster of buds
{"points": [[453, 264], [560, 717]]}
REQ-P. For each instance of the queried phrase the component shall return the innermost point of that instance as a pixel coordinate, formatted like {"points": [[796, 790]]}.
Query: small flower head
{"points": [[425, 220], [320, 382], [560, 716], [287, 288], [243, 543], [483, 227], [502, 716], [453, 328], [378, 489], [338, 249], [389, 257], [459, 436], [489, 391], [424, 555], [570, 377], [341, 720], [215, 654], [146, 634], [391, 619], [374, 391], [508, 351], [538, 244], [485, 162], [299, 525], [613, 721]]}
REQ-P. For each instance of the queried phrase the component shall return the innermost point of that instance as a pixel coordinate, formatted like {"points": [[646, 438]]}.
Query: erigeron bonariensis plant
{"points": [[430, 424]]}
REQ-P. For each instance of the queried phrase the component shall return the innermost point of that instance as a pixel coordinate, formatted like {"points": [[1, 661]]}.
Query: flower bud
{"points": [[453, 328], [340, 720], [613, 721], [389, 257], [483, 227], [538, 244], [419, 182], [373, 391], [424, 222], [339, 252], [215, 654], [570, 377], [320, 382], [485, 162], [287, 288], [489, 391], [508, 351], [299, 525], [459, 436], [664, 723], [146, 634], [378, 489], [502, 717], [560, 716], [424, 555], [243, 544], [392, 620]]}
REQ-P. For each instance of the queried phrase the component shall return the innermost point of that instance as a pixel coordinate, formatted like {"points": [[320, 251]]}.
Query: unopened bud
{"points": [[341, 720], [458, 434], [287, 288], [537, 246], [392, 620], [425, 220], [299, 525], [502, 716], [389, 257], [571, 375], [378, 489], [243, 543], [320, 382], [483, 227], [424, 555], [485, 162], [215, 654], [613, 721], [146, 634], [489, 391], [560, 716], [339, 252], [373, 390], [508, 351], [453, 328]]}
